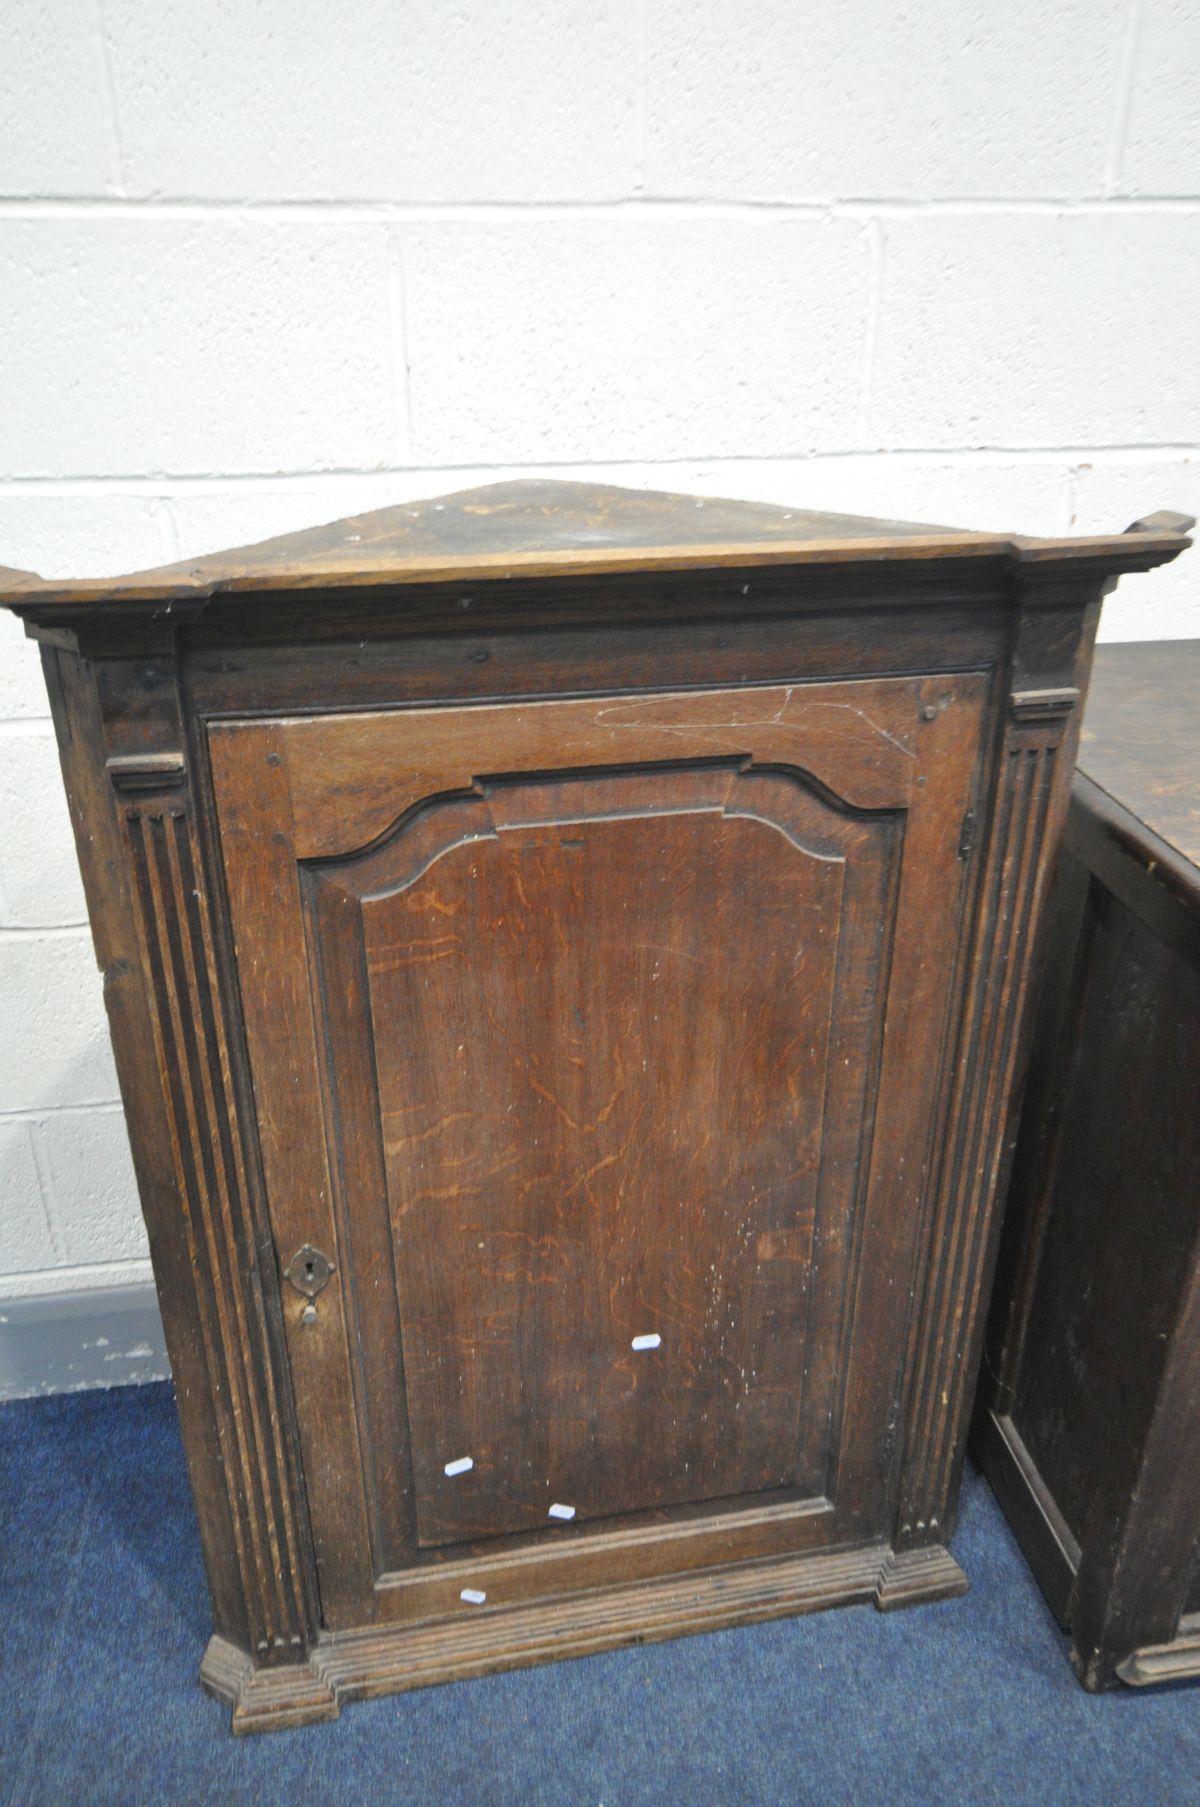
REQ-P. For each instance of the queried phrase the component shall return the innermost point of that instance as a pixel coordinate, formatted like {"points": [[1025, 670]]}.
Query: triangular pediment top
{"points": [[525, 518], [543, 527]]}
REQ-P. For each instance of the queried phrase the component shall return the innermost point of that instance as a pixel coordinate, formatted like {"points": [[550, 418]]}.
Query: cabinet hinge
{"points": [[966, 840]]}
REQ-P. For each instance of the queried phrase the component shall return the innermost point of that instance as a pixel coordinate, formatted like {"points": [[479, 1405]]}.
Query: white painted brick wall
{"points": [[145, 344], [571, 339], [263, 266], [1038, 330], [407, 100], [776, 100]]}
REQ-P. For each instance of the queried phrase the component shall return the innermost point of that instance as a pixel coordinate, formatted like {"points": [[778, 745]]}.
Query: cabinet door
{"points": [[595, 1044]]}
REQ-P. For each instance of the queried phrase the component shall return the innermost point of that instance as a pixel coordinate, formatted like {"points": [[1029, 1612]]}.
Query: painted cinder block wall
{"points": [[262, 266]]}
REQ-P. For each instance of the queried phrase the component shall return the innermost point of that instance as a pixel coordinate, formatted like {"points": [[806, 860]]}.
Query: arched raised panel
{"points": [[789, 800], [598, 1108], [352, 780], [587, 1023]]}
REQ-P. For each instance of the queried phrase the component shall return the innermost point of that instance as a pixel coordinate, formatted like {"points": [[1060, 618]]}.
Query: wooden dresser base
{"points": [[1177, 1661], [354, 1665], [1044, 1536], [1090, 1405], [1054, 1556]]}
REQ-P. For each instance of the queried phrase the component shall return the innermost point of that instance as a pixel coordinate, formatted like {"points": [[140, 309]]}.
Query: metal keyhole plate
{"points": [[308, 1271]]}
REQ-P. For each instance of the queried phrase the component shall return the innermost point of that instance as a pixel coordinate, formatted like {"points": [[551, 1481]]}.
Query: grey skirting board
{"points": [[62, 1342]]}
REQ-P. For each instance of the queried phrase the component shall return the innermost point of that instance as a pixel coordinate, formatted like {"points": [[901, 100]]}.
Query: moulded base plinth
{"points": [[265, 1699], [1176, 1661], [350, 1665]]}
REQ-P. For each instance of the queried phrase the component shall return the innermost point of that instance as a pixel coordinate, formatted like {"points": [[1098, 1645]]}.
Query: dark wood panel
{"points": [[597, 1128], [351, 780], [1141, 736], [1094, 1370], [1123, 1181], [706, 739], [735, 640], [596, 1045]]}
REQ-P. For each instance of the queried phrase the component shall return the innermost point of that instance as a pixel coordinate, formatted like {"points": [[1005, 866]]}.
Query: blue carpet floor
{"points": [[104, 1621]]}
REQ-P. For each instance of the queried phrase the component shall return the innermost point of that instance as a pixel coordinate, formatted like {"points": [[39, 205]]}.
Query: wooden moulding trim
{"points": [[1046, 1539], [146, 771], [911, 1577], [355, 1664], [1042, 705], [1006, 913], [171, 592], [707, 1533], [1097, 816], [1174, 1662], [265, 1700], [192, 1052]]}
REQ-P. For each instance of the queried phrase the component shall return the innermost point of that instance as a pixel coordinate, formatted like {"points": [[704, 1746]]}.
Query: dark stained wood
{"points": [[538, 528], [583, 1118], [358, 1665], [1091, 1398], [536, 921], [152, 941], [1141, 737]]}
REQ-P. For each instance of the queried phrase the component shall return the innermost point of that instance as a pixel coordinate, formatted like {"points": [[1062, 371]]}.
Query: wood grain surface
{"points": [[1141, 736], [567, 953], [535, 528], [1091, 1403]]}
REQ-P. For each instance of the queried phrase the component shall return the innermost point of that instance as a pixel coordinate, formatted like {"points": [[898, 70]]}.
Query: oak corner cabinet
{"points": [[566, 952], [1088, 1421]]}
